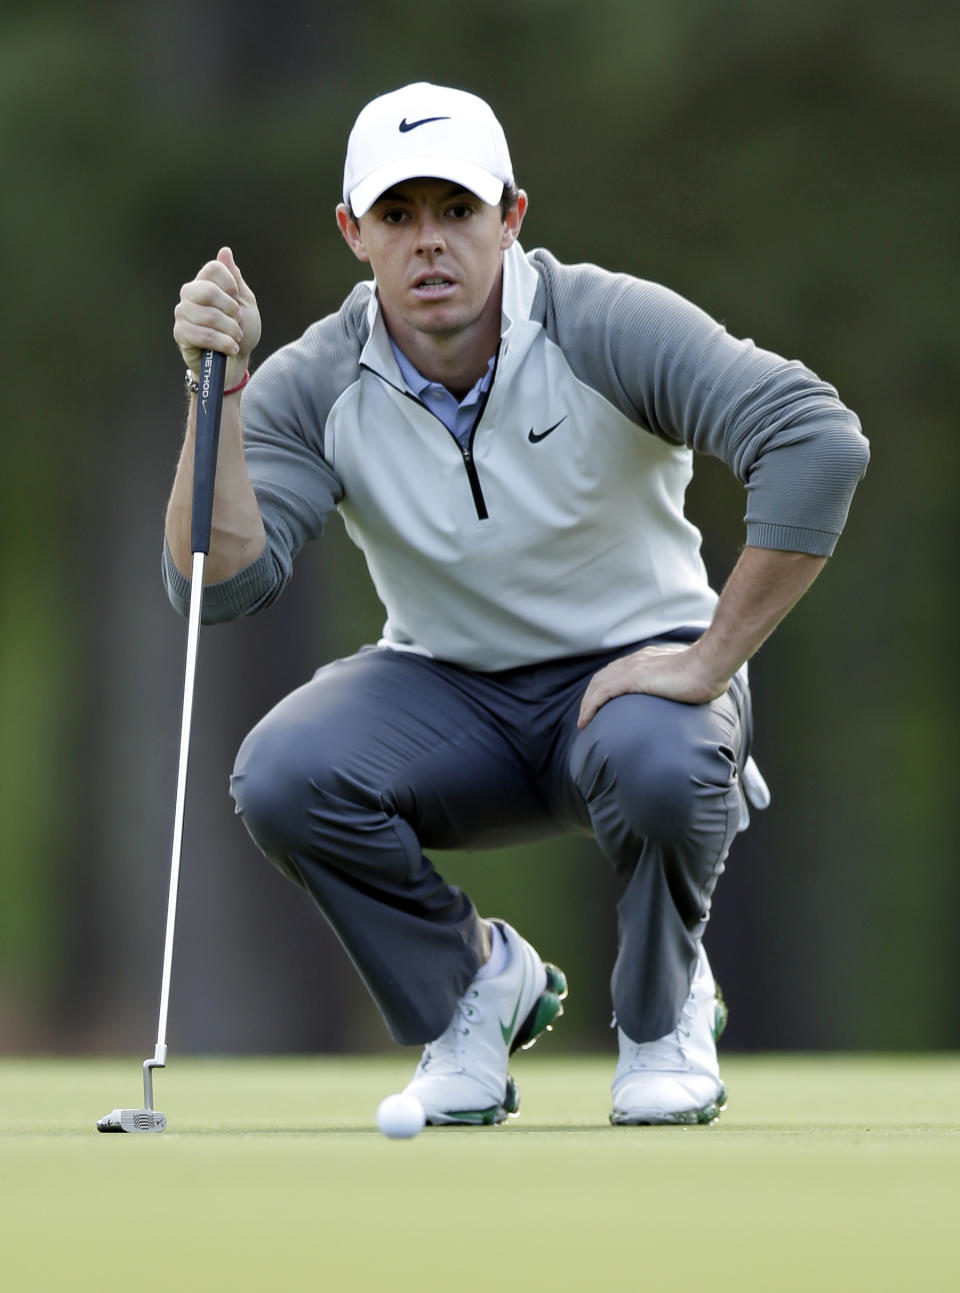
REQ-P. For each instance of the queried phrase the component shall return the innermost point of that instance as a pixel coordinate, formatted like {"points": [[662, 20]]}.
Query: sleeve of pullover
{"points": [[678, 373], [285, 411]]}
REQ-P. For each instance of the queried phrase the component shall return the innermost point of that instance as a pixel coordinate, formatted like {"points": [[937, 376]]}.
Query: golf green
{"points": [[824, 1173]]}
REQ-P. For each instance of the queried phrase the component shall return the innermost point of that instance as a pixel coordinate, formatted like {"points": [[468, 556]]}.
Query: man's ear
{"points": [[351, 232], [513, 220]]}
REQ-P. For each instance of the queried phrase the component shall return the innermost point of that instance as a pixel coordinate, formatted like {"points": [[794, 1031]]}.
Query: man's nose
{"points": [[429, 233]]}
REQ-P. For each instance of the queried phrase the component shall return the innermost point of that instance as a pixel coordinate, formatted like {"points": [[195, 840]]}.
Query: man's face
{"points": [[435, 250]]}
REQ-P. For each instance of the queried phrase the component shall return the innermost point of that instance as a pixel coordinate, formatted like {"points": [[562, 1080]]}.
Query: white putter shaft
{"points": [[193, 639], [147, 1118], [209, 403]]}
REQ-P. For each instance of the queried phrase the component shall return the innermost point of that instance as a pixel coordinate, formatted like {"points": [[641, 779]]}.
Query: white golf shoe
{"points": [[675, 1079], [462, 1076]]}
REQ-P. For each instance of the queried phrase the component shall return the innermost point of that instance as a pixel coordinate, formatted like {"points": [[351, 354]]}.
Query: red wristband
{"points": [[232, 390]]}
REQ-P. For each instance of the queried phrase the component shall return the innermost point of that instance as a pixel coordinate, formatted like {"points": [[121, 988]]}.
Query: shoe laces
{"points": [[687, 1015], [468, 1012], [666, 1051], [451, 1043]]}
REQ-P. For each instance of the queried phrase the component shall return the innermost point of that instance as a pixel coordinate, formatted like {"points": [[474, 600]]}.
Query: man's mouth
{"points": [[431, 286]]}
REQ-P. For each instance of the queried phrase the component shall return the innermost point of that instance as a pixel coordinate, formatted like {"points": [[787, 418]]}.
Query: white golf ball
{"points": [[400, 1116]]}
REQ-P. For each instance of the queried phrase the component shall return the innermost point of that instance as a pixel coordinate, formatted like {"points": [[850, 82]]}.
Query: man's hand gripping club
{"points": [[218, 311]]}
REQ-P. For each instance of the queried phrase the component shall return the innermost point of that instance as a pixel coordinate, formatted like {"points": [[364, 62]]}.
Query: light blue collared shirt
{"points": [[457, 417]]}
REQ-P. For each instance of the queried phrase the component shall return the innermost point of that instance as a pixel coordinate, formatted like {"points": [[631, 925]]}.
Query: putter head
{"points": [[132, 1120]]}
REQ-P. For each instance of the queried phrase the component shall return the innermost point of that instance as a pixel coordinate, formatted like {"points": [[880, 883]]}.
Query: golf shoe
{"points": [[675, 1079], [462, 1076]]}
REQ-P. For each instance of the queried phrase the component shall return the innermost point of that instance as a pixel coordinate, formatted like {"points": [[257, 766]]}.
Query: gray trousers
{"points": [[383, 754]]}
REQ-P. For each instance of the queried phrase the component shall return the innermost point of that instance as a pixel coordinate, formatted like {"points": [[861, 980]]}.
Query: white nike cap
{"points": [[425, 130]]}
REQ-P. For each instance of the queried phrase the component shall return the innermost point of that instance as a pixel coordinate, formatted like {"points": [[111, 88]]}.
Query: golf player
{"points": [[508, 440]]}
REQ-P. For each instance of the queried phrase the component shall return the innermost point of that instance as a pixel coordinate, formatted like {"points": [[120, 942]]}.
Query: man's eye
{"points": [[460, 211], [394, 216]]}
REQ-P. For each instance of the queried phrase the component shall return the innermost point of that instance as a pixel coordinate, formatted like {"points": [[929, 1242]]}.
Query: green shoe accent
{"points": [[711, 1112], [506, 1030], [721, 1015], [548, 1007], [482, 1117], [473, 1117], [511, 1098], [704, 1117]]}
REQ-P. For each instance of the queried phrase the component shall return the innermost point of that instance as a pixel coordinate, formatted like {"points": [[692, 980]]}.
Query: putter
{"points": [[209, 406]]}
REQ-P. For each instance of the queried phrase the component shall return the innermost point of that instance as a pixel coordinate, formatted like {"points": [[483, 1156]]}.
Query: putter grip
{"points": [[213, 366]]}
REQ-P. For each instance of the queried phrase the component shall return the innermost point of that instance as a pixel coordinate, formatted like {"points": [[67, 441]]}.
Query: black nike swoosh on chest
{"points": [[406, 125], [535, 437]]}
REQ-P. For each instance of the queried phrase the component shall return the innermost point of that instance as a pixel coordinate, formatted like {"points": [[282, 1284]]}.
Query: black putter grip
{"points": [[213, 366]]}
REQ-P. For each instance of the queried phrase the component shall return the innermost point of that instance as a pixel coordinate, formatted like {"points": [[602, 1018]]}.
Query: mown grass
{"points": [[824, 1173]]}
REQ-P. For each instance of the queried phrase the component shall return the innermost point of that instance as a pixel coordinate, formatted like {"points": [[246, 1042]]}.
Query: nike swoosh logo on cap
{"points": [[535, 438], [406, 125]]}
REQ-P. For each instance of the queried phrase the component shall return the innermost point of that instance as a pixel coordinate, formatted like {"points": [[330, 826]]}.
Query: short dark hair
{"points": [[510, 198]]}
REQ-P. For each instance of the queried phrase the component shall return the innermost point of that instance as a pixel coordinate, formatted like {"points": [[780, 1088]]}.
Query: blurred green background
{"points": [[791, 168]]}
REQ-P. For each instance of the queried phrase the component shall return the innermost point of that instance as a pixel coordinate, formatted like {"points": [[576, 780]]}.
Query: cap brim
{"points": [[487, 187]]}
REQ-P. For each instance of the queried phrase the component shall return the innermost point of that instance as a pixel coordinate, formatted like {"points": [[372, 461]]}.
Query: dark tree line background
{"points": [[792, 169]]}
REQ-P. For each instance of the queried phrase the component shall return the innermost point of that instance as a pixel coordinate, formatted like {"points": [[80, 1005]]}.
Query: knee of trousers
{"points": [[269, 788], [293, 801], [664, 795]]}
